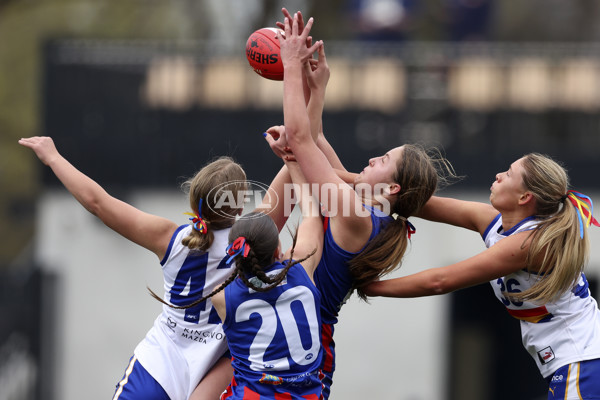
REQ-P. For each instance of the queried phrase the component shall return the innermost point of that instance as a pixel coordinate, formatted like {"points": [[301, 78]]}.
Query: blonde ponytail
{"points": [[559, 246]]}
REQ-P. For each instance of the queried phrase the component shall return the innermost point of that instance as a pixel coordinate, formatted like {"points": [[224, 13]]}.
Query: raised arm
{"points": [[147, 230], [309, 237], [315, 81], [334, 193], [273, 203], [294, 54], [317, 76]]}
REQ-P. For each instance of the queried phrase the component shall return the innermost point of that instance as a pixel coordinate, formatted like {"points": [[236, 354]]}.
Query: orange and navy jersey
{"points": [[332, 276], [275, 337], [328, 363], [557, 333], [335, 282]]}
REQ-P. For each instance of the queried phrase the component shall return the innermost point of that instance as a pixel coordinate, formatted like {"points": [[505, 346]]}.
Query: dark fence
{"points": [[96, 110]]}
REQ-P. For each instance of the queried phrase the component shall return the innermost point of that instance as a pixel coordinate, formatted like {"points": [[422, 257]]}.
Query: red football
{"points": [[262, 52]]}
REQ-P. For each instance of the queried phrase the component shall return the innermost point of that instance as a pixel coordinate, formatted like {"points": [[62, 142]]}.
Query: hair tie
{"points": [[238, 247], [563, 198], [410, 229], [584, 208], [197, 220]]}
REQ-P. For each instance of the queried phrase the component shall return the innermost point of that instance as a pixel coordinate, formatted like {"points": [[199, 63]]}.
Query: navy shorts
{"points": [[138, 384], [576, 381]]}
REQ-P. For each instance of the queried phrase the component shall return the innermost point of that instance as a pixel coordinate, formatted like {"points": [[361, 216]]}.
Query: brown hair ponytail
{"points": [[262, 236], [218, 178], [419, 173]]}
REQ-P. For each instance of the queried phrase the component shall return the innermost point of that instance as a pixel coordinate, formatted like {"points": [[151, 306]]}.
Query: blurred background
{"points": [[139, 94]]}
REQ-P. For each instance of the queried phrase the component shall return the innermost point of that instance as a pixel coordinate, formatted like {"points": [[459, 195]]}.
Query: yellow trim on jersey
{"points": [[567, 383], [577, 385], [576, 380]]}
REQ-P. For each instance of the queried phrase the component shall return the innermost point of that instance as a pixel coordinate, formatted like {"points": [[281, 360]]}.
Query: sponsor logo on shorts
{"points": [[196, 335]]}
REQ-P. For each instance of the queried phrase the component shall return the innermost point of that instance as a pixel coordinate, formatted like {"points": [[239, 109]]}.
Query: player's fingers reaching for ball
{"points": [[315, 47], [298, 14], [286, 14], [304, 33], [293, 46], [281, 26], [322, 58], [287, 29], [300, 21], [294, 25]]}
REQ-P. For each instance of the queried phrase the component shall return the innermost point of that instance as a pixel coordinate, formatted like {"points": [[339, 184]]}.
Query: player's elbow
{"points": [[297, 134], [95, 202], [439, 284], [93, 206], [293, 134]]}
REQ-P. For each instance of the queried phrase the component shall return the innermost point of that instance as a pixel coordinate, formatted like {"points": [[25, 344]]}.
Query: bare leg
{"points": [[214, 382]]}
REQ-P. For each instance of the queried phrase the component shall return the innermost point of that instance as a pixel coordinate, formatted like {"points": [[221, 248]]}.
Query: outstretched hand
{"points": [[277, 140], [293, 42], [281, 25], [317, 71], [286, 14], [43, 146]]}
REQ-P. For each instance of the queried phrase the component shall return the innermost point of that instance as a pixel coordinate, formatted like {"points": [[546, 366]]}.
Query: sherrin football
{"points": [[263, 53]]}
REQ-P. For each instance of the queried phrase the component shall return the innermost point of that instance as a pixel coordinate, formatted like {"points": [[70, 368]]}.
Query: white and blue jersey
{"points": [[555, 334], [274, 337], [184, 344]]}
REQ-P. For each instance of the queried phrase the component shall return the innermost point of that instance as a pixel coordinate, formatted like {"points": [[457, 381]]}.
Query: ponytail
{"points": [[418, 172], [205, 189], [252, 254], [382, 254], [559, 246]]}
